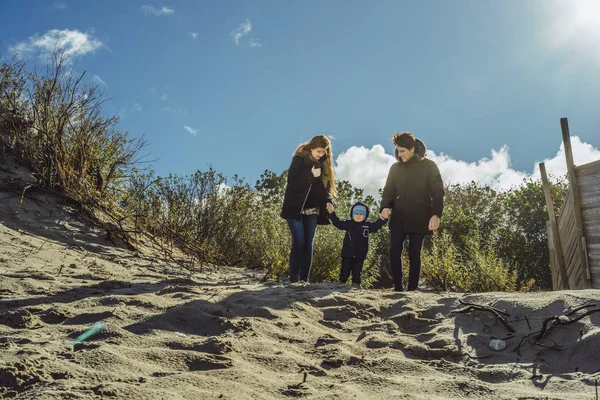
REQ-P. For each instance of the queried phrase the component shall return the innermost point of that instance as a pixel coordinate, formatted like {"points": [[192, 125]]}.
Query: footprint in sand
{"points": [[20, 319]]}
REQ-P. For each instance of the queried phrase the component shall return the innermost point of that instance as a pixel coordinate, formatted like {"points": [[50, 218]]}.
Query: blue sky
{"points": [[483, 83]]}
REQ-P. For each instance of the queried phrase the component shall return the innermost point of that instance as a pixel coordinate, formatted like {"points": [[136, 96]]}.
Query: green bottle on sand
{"points": [[97, 327]]}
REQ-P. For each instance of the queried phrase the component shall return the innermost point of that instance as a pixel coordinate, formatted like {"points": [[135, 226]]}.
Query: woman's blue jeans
{"points": [[303, 235]]}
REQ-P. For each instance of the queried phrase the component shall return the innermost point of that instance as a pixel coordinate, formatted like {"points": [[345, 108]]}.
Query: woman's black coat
{"points": [[300, 181]]}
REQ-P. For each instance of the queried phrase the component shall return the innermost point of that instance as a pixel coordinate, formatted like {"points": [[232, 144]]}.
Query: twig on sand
{"points": [[214, 294], [499, 314], [477, 357], [38, 250], [589, 305], [552, 322], [464, 303], [22, 197]]}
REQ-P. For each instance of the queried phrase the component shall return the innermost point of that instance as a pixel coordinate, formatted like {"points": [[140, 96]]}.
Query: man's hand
{"points": [[434, 223], [329, 208], [385, 213]]}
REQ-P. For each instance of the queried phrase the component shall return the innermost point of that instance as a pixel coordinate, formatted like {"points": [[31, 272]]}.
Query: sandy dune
{"points": [[220, 333]]}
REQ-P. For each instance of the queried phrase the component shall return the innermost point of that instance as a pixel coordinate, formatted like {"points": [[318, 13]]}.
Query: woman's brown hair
{"points": [[327, 175]]}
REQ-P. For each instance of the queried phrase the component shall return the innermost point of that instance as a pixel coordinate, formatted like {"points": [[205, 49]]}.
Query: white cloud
{"points": [[173, 110], [73, 42], [194, 35], [365, 168], [583, 153], [149, 10], [98, 81], [575, 27], [136, 107], [59, 5], [495, 172], [163, 97], [190, 130], [254, 43], [240, 31], [368, 168]]}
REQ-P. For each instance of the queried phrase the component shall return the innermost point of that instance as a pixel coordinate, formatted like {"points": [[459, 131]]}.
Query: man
{"points": [[414, 192]]}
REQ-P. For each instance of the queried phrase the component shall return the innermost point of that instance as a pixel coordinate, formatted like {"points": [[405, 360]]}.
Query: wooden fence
{"points": [[574, 237]]}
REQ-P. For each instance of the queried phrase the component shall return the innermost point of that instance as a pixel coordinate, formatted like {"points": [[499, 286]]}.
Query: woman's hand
{"points": [[316, 171], [434, 223], [329, 208]]}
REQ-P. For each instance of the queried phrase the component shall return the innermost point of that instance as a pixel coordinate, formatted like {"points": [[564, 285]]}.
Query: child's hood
{"points": [[356, 204], [420, 151]]}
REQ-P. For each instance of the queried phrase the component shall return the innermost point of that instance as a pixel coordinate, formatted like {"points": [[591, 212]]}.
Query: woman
{"points": [[310, 187], [414, 191]]}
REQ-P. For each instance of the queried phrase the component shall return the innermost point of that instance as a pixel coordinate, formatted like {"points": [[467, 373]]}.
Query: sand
{"points": [[220, 333]]}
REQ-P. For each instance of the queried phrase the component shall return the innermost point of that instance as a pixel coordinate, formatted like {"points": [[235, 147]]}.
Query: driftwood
{"points": [[534, 338], [551, 322], [499, 314], [554, 321]]}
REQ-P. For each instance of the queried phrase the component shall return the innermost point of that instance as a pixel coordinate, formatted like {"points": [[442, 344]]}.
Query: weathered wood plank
{"points": [[588, 202], [594, 165], [593, 247], [568, 233], [595, 191], [556, 255], [568, 199], [590, 213], [591, 227], [588, 172], [570, 241], [569, 236], [591, 186], [592, 221], [554, 272], [569, 253], [567, 220], [587, 180], [575, 281], [596, 275], [566, 212], [572, 263]]}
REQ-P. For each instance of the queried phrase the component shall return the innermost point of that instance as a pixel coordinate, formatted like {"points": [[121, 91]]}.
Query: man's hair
{"points": [[404, 139]]}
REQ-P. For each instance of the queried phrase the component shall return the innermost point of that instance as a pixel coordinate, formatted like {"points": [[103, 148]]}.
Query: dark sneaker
{"points": [[399, 289]]}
